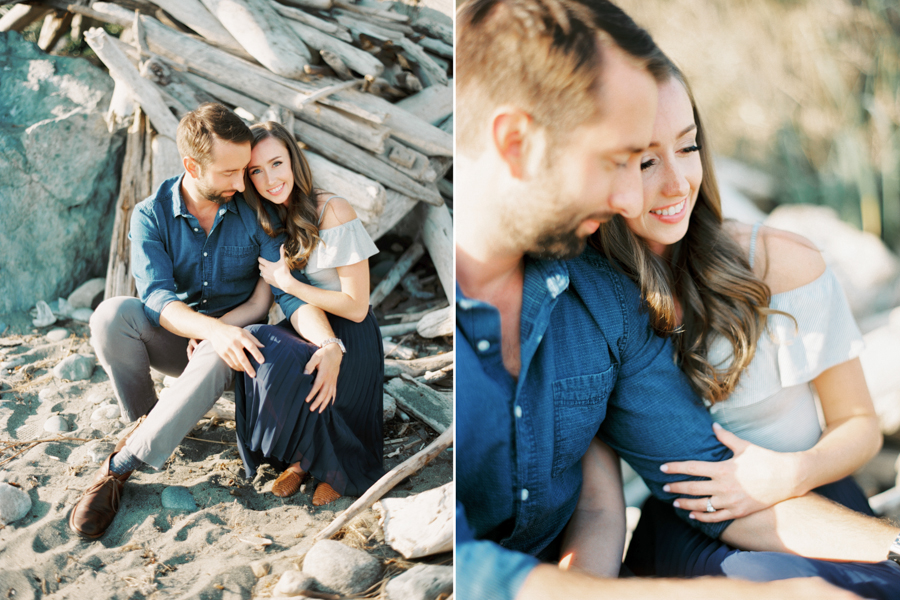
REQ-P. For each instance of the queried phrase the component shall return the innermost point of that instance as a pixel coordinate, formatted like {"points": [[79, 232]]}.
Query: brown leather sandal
{"points": [[288, 483], [325, 494]]}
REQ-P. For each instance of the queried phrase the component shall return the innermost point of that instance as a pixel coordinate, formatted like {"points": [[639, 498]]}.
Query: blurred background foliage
{"points": [[808, 91]]}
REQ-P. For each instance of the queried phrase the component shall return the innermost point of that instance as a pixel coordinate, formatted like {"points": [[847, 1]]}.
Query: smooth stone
{"points": [[341, 569], [260, 568], [97, 398], [56, 424], [87, 293], [14, 503], [177, 497], [12, 363], [82, 314], [107, 411], [422, 582], [44, 317], [46, 394], [76, 367], [388, 407], [57, 335], [293, 583]]}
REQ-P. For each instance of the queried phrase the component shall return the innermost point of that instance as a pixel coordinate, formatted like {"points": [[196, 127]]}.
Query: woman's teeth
{"points": [[276, 190], [672, 210]]}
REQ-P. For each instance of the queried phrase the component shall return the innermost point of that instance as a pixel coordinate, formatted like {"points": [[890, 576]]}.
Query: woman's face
{"points": [[671, 171], [270, 170]]}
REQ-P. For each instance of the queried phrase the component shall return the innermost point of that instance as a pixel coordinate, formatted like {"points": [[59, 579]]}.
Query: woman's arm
{"points": [[352, 301], [594, 539], [254, 309]]}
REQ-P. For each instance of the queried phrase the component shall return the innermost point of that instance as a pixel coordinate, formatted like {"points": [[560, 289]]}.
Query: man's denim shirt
{"points": [[174, 260], [590, 365]]}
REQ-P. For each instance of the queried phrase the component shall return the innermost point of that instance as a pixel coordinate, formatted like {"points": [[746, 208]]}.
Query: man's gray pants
{"points": [[127, 345]]}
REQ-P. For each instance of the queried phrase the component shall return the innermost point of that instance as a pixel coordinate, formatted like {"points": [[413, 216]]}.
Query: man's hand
{"points": [[327, 361], [276, 274], [231, 342]]}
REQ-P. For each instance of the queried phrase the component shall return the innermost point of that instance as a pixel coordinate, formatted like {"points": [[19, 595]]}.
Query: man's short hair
{"points": [[543, 56], [210, 121]]}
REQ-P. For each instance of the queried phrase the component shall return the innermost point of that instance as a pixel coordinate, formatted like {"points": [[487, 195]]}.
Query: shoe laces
{"points": [[116, 495]]}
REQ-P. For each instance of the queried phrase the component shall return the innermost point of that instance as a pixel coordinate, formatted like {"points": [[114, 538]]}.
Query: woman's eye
{"points": [[647, 164], [253, 172], [693, 148], [277, 163]]}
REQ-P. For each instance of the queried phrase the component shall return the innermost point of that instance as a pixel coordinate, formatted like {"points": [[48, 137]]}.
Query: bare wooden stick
{"points": [[365, 10], [307, 19], [54, 28], [21, 16], [392, 279], [399, 329], [359, 60], [437, 234], [389, 481], [418, 366]]}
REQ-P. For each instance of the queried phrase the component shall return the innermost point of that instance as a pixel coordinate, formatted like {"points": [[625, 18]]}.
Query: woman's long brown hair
{"points": [[709, 274], [299, 216]]}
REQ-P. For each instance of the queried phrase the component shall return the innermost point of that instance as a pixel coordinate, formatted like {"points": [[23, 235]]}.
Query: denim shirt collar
{"points": [[179, 208]]}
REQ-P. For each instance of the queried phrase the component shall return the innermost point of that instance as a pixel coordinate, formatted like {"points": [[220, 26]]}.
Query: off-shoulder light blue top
{"points": [[774, 404], [346, 244]]}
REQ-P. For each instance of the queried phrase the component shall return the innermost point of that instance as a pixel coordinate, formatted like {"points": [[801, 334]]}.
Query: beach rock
{"points": [[107, 411], [260, 568], [44, 316], [12, 363], [75, 367], [14, 503], [419, 525], [389, 407], [422, 582], [98, 398], [293, 583], [46, 393], [341, 569], [56, 151], [56, 424], [89, 294], [82, 315], [177, 497], [58, 334]]}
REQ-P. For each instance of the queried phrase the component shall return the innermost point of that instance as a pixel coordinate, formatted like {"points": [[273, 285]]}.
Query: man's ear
{"points": [[511, 132], [191, 166]]}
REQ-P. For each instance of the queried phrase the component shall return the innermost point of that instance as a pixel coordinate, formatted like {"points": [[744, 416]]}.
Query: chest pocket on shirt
{"points": [[579, 406], [238, 263]]}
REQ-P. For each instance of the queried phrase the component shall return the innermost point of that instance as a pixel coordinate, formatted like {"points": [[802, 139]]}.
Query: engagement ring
{"points": [[709, 506]]}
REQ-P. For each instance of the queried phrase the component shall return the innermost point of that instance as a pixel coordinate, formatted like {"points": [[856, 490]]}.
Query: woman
{"points": [[758, 322], [340, 444]]}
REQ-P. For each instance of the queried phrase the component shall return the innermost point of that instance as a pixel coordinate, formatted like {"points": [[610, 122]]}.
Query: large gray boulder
{"points": [[58, 173]]}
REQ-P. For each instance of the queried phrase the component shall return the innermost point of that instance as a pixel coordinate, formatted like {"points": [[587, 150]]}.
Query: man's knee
{"points": [[115, 315]]}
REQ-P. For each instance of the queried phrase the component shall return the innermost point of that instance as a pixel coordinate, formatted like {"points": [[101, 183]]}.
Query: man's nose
{"points": [[238, 183], [627, 196]]}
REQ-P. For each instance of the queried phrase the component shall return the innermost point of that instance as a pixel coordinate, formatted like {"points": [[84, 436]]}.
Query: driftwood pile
{"points": [[365, 89]]}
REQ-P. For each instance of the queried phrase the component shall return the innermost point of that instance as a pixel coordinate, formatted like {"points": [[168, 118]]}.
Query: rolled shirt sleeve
{"points": [[151, 265], [486, 570]]}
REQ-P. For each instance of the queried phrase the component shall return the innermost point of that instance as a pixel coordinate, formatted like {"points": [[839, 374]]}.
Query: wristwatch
{"points": [[894, 552], [334, 340]]}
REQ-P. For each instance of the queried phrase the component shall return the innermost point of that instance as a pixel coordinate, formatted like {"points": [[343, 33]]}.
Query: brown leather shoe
{"points": [[325, 494], [128, 431], [288, 483], [98, 506]]}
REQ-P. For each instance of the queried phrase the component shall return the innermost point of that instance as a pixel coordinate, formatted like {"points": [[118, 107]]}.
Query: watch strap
{"points": [[334, 340]]}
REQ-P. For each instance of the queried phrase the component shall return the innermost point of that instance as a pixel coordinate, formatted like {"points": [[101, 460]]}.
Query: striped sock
{"points": [[124, 461]]}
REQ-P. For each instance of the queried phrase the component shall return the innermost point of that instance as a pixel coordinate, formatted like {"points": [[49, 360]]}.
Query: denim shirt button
{"points": [[204, 254], [518, 412], [483, 345], [524, 495], [195, 229], [205, 283], [204, 301]]}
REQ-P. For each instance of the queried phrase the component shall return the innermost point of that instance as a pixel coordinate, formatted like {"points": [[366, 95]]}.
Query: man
{"points": [[555, 103], [195, 245]]}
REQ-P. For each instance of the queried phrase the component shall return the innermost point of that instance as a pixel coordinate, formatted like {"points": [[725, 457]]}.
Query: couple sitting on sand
{"points": [[673, 333], [206, 247]]}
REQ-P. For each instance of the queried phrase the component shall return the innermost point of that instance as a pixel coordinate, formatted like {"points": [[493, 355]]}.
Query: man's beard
{"points": [[560, 244], [216, 196]]}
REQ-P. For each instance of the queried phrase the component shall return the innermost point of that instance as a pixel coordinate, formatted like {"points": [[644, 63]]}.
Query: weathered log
{"points": [[372, 12], [397, 350], [366, 196], [393, 277], [421, 524], [436, 323], [334, 61], [419, 400], [21, 16], [263, 34], [121, 107], [279, 114], [142, 90], [409, 161], [439, 375], [396, 207], [437, 235], [196, 16], [359, 26], [429, 71], [388, 481], [433, 104], [55, 26], [134, 186], [304, 17], [359, 60], [173, 83], [397, 329], [338, 150], [435, 29], [447, 125], [313, 4], [445, 187], [396, 76], [418, 366], [166, 160], [436, 47]]}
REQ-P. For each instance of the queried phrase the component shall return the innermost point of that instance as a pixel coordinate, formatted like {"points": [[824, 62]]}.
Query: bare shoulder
{"points": [[786, 261], [739, 232], [337, 212]]}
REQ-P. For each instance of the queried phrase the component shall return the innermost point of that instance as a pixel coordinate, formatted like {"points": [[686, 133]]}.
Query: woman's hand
{"points": [[277, 274], [326, 361], [192, 345], [754, 479]]}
